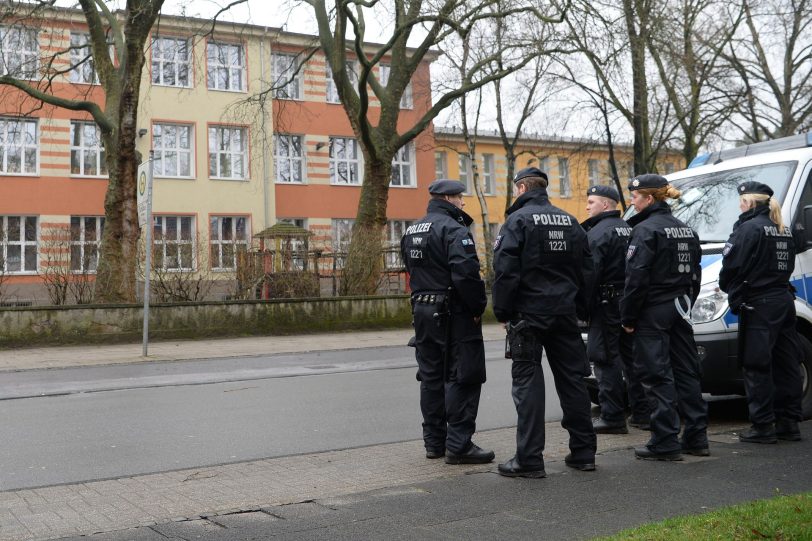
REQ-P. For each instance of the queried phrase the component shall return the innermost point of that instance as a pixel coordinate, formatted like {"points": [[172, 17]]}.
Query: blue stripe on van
{"points": [[709, 259]]}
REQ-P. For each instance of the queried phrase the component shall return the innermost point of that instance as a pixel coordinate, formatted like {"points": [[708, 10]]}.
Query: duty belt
{"points": [[429, 298], [608, 292]]}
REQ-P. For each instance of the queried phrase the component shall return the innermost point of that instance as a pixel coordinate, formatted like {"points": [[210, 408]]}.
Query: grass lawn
{"points": [[782, 518]]}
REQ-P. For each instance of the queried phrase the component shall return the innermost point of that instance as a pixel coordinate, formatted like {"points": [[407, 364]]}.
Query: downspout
{"points": [[266, 166]]}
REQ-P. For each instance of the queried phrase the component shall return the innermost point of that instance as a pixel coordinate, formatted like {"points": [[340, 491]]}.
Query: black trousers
{"points": [[611, 350], [560, 337], [665, 353], [771, 359], [449, 397]]}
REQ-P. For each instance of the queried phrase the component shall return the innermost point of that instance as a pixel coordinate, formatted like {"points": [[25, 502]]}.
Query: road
{"points": [[82, 424]]}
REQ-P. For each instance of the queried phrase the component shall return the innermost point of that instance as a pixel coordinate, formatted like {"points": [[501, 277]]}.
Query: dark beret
{"points": [[755, 187], [604, 191], [649, 180], [446, 186], [529, 172]]}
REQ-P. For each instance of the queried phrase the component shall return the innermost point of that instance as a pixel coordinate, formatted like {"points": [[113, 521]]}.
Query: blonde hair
{"points": [[662, 193], [753, 199]]}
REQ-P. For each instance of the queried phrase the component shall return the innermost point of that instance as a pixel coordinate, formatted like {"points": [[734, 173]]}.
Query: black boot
{"points": [[474, 455], [641, 422], [602, 427], [787, 429], [512, 468], [761, 433], [647, 454]]}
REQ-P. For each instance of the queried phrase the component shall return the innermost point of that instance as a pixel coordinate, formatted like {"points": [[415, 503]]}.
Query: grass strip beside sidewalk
{"points": [[782, 518]]}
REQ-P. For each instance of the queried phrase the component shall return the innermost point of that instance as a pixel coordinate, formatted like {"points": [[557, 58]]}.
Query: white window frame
{"points": [[594, 172], [159, 61], [291, 161], [465, 171], [351, 163], [80, 243], [395, 229], [564, 184], [165, 154], [84, 150], [441, 160], [220, 244], [23, 59], [84, 73], [23, 241], [404, 164], [217, 60], [23, 148], [283, 66], [406, 101], [162, 245], [217, 153], [488, 168], [331, 93]]}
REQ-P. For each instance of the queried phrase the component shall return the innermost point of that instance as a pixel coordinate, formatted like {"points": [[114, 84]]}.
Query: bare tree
{"points": [[342, 35], [55, 268], [772, 56]]}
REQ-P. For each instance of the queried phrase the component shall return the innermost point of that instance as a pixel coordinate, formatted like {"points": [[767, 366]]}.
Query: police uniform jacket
{"points": [[439, 253], [608, 237], [758, 253], [663, 261], [541, 261]]}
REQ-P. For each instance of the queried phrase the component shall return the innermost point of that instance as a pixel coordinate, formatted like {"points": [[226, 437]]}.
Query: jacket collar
{"points": [[758, 210], [658, 207], [537, 196], [589, 223], [441, 206]]}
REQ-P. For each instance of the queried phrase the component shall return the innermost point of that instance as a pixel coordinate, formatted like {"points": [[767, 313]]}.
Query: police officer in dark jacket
{"points": [[758, 261], [663, 274], [608, 347], [542, 264], [448, 298]]}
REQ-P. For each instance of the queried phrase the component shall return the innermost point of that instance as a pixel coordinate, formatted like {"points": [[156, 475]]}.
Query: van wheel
{"points": [[806, 377]]}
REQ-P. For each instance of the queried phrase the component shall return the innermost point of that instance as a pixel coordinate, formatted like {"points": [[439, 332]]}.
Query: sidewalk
{"points": [[96, 355]]}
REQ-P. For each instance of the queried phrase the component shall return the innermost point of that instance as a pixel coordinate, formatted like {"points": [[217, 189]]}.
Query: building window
{"points": [[594, 171], [85, 239], [440, 164], [465, 168], [342, 234], [86, 151], [344, 163], [173, 247], [668, 168], [564, 184], [228, 153], [403, 166], [18, 146], [487, 173], [170, 62], [297, 246], [226, 66], [227, 235], [81, 60], [19, 52], [406, 98], [332, 90], [288, 161], [172, 144], [395, 229], [288, 82], [18, 235]]}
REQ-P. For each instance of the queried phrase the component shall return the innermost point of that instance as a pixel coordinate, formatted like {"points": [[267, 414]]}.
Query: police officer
{"points": [[757, 263], [541, 257], [608, 347], [448, 298], [663, 275]]}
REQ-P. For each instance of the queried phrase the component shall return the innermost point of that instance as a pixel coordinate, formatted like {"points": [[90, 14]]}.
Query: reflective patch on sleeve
{"points": [[726, 249], [468, 245], [630, 251], [497, 242]]}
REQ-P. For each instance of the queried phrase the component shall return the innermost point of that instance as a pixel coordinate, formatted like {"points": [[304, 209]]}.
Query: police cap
{"points": [[755, 187], [649, 180], [446, 186], [530, 172], [604, 191]]}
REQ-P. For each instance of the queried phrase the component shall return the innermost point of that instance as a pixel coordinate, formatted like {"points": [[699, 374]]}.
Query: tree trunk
{"points": [[510, 157], [364, 264], [637, 28]]}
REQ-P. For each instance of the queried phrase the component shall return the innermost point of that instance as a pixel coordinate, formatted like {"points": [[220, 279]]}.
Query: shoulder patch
{"points": [[497, 242], [630, 251], [726, 249], [468, 245]]}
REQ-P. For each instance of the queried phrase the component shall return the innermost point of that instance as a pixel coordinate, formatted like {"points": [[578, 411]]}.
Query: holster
{"points": [[516, 345], [744, 314]]}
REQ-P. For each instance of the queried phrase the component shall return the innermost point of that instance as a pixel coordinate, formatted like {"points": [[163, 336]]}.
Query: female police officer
{"points": [[757, 262], [662, 281]]}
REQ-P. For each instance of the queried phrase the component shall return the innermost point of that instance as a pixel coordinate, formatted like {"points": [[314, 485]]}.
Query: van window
{"points": [[797, 225], [710, 202]]}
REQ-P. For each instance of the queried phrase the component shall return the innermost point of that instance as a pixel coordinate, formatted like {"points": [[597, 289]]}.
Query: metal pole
{"points": [[148, 256]]}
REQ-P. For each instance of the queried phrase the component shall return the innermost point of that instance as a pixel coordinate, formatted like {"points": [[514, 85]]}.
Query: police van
{"points": [[710, 205]]}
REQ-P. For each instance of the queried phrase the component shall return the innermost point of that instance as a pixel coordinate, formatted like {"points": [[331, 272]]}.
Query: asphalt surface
{"points": [[567, 505], [117, 421]]}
